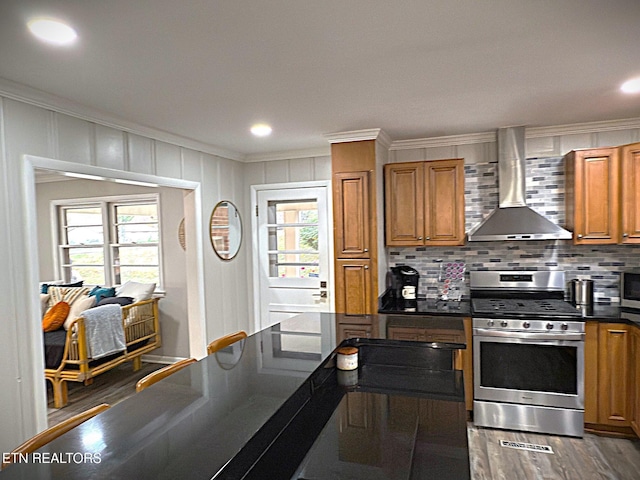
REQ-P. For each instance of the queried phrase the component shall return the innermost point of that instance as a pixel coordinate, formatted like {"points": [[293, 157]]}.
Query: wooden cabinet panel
{"points": [[404, 203], [444, 194], [351, 214], [424, 203], [634, 388], [613, 374], [348, 330], [593, 195], [353, 287], [591, 373], [630, 160], [404, 333]]}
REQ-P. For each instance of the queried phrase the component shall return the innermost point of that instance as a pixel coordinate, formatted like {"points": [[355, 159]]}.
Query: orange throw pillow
{"points": [[55, 317]]}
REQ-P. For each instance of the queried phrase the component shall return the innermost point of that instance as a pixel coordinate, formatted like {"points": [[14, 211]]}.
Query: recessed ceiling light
{"points": [[261, 130], [631, 86], [52, 31]]}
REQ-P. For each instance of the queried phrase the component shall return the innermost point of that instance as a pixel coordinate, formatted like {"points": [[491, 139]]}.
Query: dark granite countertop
{"points": [[423, 306]]}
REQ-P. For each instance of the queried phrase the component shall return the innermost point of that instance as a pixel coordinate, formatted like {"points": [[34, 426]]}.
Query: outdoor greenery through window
{"points": [[110, 242], [293, 239]]}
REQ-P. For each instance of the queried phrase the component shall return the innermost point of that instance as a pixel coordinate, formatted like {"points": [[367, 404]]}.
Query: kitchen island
{"points": [[275, 406]]}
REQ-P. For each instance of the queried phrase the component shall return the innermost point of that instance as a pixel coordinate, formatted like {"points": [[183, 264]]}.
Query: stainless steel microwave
{"points": [[630, 288]]}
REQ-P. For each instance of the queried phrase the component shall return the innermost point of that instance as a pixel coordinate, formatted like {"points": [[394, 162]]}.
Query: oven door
{"points": [[529, 368]]}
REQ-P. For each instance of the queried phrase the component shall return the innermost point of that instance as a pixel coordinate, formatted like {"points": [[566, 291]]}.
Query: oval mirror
{"points": [[226, 230]]}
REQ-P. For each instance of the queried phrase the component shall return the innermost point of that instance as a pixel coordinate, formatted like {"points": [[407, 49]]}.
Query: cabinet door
{"points": [[593, 199], [405, 333], [591, 373], [444, 207], [351, 214], [634, 387], [349, 330], [353, 287], [613, 374], [630, 159], [404, 201]]}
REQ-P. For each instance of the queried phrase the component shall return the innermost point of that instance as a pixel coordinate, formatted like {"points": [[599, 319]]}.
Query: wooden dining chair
{"points": [[222, 342], [51, 433], [164, 372]]}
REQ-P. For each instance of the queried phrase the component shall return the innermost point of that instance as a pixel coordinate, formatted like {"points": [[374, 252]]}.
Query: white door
{"points": [[292, 253]]}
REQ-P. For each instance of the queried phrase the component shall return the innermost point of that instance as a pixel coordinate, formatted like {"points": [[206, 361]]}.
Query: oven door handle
{"points": [[529, 335]]}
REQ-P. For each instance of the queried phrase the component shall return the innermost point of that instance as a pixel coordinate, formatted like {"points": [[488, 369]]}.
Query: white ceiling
{"points": [[208, 69]]}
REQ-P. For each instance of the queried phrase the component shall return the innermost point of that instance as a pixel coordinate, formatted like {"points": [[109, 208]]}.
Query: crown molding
{"points": [[354, 135], [38, 98], [582, 128], [444, 141], [288, 155]]}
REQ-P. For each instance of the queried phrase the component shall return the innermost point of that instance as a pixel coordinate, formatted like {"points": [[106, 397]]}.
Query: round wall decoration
{"points": [[181, 237]]}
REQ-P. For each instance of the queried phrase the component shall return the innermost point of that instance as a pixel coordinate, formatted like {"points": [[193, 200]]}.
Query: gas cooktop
{"points": [[547, 308]]}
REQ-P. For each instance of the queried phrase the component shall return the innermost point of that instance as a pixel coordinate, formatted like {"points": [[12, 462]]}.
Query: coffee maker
{"points": [[404, 282]]}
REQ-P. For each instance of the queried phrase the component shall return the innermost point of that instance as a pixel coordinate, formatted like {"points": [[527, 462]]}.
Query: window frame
{"points": [[107, 205]]}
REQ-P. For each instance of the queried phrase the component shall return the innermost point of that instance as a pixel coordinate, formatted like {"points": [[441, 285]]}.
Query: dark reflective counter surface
{"points": [[275, 406]]}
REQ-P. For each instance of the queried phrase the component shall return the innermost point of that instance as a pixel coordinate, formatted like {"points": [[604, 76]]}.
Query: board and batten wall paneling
{"points": [[32, 130]]}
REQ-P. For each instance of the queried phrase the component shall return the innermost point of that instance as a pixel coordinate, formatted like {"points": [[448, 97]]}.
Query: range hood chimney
{"points": [[513, 220]]}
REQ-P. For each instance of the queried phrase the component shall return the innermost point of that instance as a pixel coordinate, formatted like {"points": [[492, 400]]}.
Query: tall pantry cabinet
{"points": [[355, 239]]}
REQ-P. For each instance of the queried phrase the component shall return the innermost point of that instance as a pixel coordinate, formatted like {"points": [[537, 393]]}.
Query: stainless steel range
{"points": [[528, 353]]}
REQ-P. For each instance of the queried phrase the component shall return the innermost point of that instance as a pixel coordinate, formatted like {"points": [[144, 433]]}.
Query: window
{"points": [[110, 241]]}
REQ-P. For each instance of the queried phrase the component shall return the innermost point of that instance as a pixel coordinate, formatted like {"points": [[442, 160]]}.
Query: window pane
{"points": [[138, 233], [296, 212], [137, 255], [83, 216], [298, 272], [90, 275], [85, 235], [86, 256], [295, 238], [137, 274], [139, 213], [313, 258]]}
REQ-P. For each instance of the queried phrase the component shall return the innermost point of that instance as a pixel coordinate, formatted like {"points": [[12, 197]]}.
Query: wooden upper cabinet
{"points": [[404, 203], [593, 195], [424, 203], [352, 213], [630, 184]]}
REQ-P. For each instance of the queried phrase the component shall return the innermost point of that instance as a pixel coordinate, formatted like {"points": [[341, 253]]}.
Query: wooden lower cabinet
{"points": [[613, 374], [353, 287], [591, 373], [634, 391], [353, 330]]}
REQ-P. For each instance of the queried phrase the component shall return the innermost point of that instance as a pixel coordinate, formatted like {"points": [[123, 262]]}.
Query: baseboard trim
{"points": [[161, 359]]}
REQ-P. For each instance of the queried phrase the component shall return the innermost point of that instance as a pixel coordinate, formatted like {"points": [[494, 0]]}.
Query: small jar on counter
{"points": [[347, 358]]}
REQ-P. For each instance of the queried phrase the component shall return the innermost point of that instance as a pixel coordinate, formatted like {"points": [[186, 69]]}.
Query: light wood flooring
{"points": [[593, 457]]}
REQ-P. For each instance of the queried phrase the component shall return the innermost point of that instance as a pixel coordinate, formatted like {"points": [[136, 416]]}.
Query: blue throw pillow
{"points": [[45, 286], [102, 292]]}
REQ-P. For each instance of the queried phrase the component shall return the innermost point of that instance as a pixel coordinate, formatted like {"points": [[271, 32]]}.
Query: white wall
{"points": [[33, 130], [174, 325]]}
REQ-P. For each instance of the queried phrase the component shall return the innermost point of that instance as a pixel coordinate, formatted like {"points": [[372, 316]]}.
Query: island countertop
{"points": [[277, 400]]}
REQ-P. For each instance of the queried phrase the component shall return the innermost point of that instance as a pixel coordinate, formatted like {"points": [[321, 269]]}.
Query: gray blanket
{"points": [[104, 331]]}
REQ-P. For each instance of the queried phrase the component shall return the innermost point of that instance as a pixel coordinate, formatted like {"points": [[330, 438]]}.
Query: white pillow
{"points": [[137, 291], [77, 307], [44, 302]]}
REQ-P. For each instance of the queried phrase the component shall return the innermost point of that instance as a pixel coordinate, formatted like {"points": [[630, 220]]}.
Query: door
{"points": [[292, 253]]}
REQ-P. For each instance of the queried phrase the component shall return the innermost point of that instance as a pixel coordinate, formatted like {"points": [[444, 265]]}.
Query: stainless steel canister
{"points": [[581, 292]]}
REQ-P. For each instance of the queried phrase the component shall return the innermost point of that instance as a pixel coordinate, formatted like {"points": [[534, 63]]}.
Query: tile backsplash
{"points": [[545, 194]]}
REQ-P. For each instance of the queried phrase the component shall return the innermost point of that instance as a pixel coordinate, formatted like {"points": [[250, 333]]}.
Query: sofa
{"points": [[67, 349]]}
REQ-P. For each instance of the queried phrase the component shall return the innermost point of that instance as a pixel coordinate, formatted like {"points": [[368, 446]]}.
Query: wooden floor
{"points": [[590, 458], [593, 457], [110, 387]]}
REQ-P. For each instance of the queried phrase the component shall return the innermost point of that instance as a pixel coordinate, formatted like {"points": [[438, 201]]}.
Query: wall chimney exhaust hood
{"points": [[513, 220]]}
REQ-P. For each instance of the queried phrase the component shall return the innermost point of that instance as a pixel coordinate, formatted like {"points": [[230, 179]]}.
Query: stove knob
{"points": [[526, 324], [504, 323], [549, 326], [564, 326], [490, 323]]}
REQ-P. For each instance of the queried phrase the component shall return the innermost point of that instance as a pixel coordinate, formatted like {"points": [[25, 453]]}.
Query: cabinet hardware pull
{"points": [[579, 235], [366, 267], [428, 238], [419, 238], [625, 235], [366, 249]]}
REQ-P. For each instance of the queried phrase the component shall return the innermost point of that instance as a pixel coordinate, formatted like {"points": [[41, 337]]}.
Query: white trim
{"points": [[581, 128], [444, 141], [255, 243], [354, 135], [38, 98], [164, 359], [288, 155]]}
